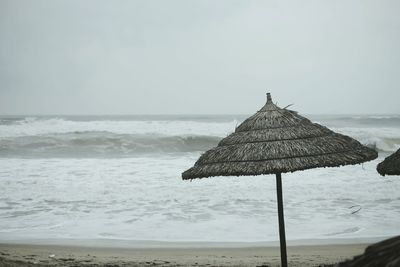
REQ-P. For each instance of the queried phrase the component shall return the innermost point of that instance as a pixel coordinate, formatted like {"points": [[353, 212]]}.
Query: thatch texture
{"points": [[276, 140], [383, 254], [391, 165]]}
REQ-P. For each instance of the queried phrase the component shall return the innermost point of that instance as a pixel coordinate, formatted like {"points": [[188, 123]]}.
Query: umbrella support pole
{"points": [[282, 236]]}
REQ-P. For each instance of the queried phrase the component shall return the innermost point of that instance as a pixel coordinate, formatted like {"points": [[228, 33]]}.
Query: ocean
{"points": [[119, 178]]}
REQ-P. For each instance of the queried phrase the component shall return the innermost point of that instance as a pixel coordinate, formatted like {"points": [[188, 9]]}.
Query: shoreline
{"points": [[183, 254], [122, 243]]}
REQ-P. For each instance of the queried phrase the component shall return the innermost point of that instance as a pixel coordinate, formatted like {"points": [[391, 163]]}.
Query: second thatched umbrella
{"points": [[275, 141], [391, 165]]}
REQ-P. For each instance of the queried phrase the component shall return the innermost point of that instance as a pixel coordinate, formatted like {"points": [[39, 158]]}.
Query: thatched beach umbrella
{"points": [[391, 165], [385, 253], [275, 141]]}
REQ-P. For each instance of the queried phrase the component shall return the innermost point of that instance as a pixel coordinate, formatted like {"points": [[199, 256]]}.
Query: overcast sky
{"points": [[197, 57]]}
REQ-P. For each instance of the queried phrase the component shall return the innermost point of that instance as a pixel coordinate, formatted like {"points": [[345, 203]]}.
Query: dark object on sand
{"points": [[382, 254], [390, 166], [275, 141]]}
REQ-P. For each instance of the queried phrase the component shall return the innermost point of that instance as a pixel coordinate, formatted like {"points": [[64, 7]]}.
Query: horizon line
{"points": [[185, 114]]}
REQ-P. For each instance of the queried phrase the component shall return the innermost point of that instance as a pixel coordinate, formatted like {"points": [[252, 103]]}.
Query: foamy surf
{"points": [[119, 179]]}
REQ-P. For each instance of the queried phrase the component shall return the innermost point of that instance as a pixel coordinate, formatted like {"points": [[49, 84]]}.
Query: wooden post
{"points": [[282, 236]]}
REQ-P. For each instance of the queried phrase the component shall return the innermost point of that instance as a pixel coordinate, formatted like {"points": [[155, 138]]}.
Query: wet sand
{"points": [[16, 255]]}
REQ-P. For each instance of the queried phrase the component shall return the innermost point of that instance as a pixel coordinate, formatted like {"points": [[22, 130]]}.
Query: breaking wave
{"points": [[125, 136], [32, 126], [102, 144], [108, 144], [380, 139]]}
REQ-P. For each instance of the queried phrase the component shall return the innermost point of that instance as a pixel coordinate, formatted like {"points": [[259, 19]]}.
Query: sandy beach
{"points": [[174, 255]]}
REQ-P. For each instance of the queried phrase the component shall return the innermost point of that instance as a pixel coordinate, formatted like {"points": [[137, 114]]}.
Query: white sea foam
{"points": [[42, 126], [145, 199]]}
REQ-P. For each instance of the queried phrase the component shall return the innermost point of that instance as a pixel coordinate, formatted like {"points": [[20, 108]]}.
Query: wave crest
{"points": [[102, 144]]}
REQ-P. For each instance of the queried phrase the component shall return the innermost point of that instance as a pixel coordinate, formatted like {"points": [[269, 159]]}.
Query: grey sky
{"points": [[178, 57]]}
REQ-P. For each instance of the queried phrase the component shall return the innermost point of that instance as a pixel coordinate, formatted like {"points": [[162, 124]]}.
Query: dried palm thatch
{"points": [[391, 165], [382, 254], [276, 140]]}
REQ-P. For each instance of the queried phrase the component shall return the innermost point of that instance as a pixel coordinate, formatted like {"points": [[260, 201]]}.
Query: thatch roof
{"points": [[381, 254], [276, 140], [391, 165]]}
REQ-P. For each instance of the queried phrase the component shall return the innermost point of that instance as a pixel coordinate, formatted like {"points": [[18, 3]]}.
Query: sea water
{"points": [[119, 178]]}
